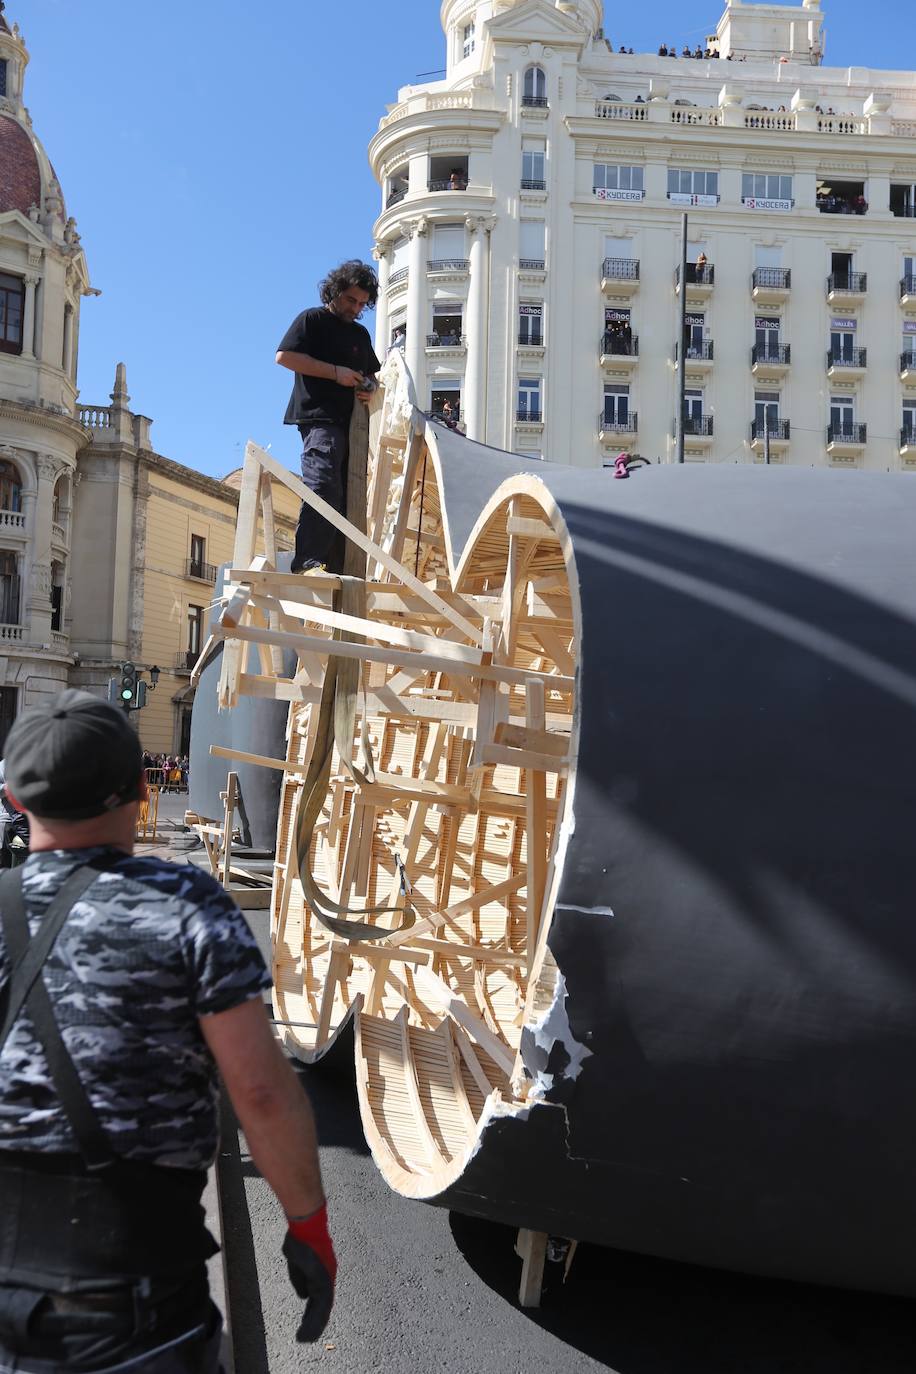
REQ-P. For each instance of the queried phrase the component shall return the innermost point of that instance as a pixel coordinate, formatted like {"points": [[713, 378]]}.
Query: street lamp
{"points": [[154, 677]]}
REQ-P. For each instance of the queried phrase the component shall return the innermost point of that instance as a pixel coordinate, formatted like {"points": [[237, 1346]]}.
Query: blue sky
{"points": [[214, 155]]}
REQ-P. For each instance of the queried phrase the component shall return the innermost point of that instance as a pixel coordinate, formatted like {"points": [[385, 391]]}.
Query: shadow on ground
{"points": [[644, 1316]]}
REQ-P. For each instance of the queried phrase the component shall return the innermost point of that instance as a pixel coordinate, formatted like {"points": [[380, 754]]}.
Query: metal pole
{"points": [[682, 347], [766, 439]]}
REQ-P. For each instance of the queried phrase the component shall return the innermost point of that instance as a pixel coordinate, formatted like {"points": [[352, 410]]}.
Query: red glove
{"points": [[312, 1267]]}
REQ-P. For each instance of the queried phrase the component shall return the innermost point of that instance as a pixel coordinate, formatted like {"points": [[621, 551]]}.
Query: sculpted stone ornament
{"points": [[47, 467], [40, 582]]}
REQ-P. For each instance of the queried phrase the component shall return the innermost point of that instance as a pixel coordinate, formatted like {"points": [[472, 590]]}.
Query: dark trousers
{"points": [[165, 1331], [325, 454]]}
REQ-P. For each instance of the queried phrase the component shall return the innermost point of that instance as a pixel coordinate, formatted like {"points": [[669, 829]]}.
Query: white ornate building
{"points": [[529, 239], [43, 278]]}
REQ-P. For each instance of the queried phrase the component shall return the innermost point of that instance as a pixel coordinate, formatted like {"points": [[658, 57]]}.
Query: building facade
{"points": [[43, 279], [529, 240], [108, 550]]}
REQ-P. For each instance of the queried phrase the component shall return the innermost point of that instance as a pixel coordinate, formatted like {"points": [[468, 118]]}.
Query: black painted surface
{"points": [[744, 804]]}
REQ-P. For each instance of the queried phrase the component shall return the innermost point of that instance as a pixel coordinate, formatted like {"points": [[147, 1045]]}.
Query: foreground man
{"points": [[333, 359], [125, 983]]}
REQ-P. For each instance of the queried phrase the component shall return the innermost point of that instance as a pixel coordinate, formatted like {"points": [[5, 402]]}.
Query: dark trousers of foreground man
{"points": [[325, 457], [86, 1305]]}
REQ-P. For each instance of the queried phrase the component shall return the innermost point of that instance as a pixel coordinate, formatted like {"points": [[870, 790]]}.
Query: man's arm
{"points": [[270, 1104], [314, 367]]}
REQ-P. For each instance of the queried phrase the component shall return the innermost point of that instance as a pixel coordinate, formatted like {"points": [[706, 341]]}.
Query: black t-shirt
{"points": [[319, 333]]}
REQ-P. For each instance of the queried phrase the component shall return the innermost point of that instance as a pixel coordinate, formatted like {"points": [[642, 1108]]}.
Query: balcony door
{"points": [[842, 414], [616, 407], [766, 411], [693, 405], [842, 343], [909, 418], [766, 337]]}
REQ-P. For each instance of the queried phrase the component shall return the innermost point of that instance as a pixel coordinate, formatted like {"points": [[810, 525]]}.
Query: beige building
{"points": [[108, 550], [168, 529], [530, 224]]}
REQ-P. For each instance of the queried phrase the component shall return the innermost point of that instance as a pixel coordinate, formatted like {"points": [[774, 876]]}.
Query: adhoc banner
{"points": [[842, 322], [682, 198]]}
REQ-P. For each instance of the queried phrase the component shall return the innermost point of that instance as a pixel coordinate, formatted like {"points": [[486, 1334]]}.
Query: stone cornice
{"points": [[43, 418], [457, 121], [199, 481]]}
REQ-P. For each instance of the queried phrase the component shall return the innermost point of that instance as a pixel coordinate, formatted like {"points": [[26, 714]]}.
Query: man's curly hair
{"points": [[353, 273]]}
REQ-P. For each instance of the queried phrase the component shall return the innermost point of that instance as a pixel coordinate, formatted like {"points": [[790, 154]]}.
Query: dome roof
{"points": [[20, 175]]}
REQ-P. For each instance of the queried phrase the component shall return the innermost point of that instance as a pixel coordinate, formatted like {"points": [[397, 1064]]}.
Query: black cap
{"points": [[73, 758]]}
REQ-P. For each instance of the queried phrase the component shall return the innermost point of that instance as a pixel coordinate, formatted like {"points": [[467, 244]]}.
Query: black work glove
{"points": [[313, 1281]]}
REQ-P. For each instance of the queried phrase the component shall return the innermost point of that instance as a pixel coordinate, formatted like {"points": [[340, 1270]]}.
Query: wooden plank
{"points": [[260, 760], [388, 786], [523, 758], [434, 1154], [232, 787], [389, 634], [486, 895], [536, 821], [445, 1032], [469, 1055], [267, 519], [530, 529], [499, 958], [532, 1249], [435, 989], [384, 559], [442, 662], [537, 741], [338, 964]]}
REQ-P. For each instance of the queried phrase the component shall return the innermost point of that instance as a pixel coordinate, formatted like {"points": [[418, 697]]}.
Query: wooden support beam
{"points": [[531, 1247], [383, 558], [437, 991], [441, 662], [530, 529], [260, 760], [536, 819]]}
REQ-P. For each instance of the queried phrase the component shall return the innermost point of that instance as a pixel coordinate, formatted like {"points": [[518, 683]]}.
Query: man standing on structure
{"points": [[333, 359], [125, 984]]}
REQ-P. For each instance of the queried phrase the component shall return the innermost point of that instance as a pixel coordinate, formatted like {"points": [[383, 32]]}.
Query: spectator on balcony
{"points": [[701, 265], [333, 360], [861, 205], [685, 51], [399, 338], [663, 51], [457, 180]]}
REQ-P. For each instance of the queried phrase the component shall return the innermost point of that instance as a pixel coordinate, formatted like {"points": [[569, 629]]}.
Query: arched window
{"points": [[535, 89], [10, 487]]}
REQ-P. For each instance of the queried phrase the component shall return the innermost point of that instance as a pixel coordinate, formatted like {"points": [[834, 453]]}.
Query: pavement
{"points": [[425, 1291]]}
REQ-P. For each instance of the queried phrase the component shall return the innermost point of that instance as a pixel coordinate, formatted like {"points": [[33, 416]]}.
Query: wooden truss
{"points": [[462, 699]]}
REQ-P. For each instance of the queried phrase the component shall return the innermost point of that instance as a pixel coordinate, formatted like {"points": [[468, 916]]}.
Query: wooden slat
{"points": [[384, 559], [536, 818]]}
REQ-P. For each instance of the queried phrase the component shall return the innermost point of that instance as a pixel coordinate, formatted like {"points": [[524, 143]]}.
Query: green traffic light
{"points": [[126, 694]]}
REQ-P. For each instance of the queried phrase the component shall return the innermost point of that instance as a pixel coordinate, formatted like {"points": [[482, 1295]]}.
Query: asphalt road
{"points": [[423, 1291]]}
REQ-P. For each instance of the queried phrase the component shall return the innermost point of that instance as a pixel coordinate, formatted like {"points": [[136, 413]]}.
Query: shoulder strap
{"points": [[27, 987]]}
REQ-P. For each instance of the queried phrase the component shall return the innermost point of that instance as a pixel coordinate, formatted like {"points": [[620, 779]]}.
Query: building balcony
{"points": [[770, 360], [447, 184], [200, 572], [908, 442], [395, 197], [450, 343], [850, 365], [699, 357], [533, 184], [620, 434], [530, 417], [399, 275], [532, 265], [908, 290], [12, 522], [700, 280], [774, 432], [185, 660], [58, 535], [534, 102], [847, 287], [908, 366], [620, 276], [846, 440], [771, 285], [60, 640], [618, 110], [699, 429], [12, 633], [441, 266], [615, 350]]}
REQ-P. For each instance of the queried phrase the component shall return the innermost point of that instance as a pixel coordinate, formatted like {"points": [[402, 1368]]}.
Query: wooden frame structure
{"points": [[466, 675]]}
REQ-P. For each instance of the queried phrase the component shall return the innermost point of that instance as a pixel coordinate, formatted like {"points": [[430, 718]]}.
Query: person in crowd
{"points": [[663, 51], [332, 358], [127, 985], [457, 180], [685, 51]]}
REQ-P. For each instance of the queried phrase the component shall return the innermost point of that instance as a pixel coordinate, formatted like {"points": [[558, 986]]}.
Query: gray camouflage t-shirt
{"points": [[148, 948]]}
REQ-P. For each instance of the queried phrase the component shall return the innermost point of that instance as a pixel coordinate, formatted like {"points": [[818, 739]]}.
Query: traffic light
{"points": [[128, 688]]}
